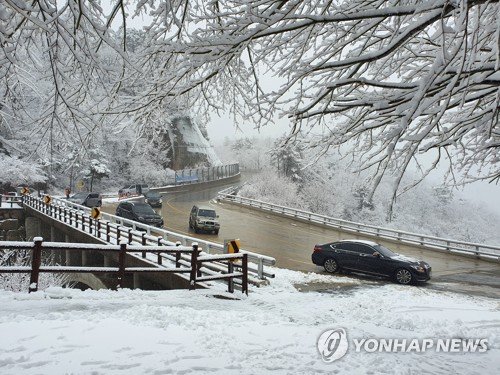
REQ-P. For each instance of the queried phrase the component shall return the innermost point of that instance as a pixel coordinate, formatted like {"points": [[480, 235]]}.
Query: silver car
{"points": [[204, 219], [87, 199], [135, 189]]}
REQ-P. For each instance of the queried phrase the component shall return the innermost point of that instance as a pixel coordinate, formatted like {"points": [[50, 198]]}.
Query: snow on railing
{"points": [[486, 252], [193, 267], [114, 229], [10, 200]]}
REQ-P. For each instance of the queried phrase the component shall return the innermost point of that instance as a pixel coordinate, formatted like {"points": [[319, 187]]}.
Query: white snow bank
{"points": [[273, 331]]}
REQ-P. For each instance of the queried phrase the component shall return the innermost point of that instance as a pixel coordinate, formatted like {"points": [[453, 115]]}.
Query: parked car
{"points": [[153, 198], [140, 212], [134, 189], [370, 258], [204, 219], [87, 199]]}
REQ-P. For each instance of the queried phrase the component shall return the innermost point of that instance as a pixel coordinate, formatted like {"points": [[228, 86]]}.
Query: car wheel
{"points": [[196, 230], [403, 276], [216, 232], [331, 265]]}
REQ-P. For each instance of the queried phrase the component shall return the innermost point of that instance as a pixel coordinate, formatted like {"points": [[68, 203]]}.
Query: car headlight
{"points": [[140, 218], [160, 201], [418, 268], [145, 200]]}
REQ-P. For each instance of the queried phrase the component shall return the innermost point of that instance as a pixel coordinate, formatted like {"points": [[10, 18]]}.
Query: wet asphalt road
{"points": [[291, 242]]}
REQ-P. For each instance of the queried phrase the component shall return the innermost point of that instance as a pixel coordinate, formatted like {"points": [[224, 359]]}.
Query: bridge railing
{"points": [[487, 252], [113, 229], [10, 200], [194, 267]]}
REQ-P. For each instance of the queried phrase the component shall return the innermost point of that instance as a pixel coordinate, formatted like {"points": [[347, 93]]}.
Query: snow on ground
{"points": [[272, 331]]}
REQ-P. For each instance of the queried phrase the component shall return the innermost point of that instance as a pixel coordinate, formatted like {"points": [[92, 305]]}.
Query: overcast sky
{"points": [[221, 127]]}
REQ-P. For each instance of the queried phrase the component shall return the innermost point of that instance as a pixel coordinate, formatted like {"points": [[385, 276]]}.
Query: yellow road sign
{"points": [[25, 191], [96, 213], [47, 199], [233, 246]]}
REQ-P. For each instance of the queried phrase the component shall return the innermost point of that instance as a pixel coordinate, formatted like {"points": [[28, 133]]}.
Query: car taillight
{"points": [[317, 248]]}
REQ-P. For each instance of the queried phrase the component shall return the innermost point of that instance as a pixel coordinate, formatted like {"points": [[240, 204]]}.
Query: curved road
{"points": [[291, 242]]}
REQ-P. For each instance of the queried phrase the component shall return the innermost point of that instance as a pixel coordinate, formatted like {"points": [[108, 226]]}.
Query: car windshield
{"points": [[206, 213], [385, 251], [153, 194], [144, 209], [79, 195]]}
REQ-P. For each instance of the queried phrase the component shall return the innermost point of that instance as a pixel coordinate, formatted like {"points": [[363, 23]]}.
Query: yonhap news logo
{"points": [[333, 344]]}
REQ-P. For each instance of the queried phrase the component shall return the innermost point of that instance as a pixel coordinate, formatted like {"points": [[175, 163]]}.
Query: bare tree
{"points": [[60, 69], [391, 80]]}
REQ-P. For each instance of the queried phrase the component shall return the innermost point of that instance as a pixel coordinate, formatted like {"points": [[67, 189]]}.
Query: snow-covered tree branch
{"points": [[390, 80]]}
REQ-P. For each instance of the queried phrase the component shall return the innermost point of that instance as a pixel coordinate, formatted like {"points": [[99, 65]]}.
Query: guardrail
{"points": [[10, 199], [486, 252], [194, 267], [113, 229], [199, 175]]}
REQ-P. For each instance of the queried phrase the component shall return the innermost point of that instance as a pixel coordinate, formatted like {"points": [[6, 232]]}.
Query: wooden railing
{"points": [[194, 268]]}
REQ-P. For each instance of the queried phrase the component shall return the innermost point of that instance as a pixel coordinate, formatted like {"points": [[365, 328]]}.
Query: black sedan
{"points": [[140, 212], [370, 258]]}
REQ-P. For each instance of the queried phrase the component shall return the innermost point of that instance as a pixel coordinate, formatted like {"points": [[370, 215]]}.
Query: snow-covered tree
{"points": [[97, 169], [392, 80], [18, 172], [20, 282], [286, 158]]}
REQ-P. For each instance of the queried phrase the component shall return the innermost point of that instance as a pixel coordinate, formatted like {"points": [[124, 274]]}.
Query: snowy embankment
{"points": [[272, 331]]}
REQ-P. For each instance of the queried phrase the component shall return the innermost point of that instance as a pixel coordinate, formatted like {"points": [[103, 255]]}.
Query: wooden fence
{"points": [[194, 268]]}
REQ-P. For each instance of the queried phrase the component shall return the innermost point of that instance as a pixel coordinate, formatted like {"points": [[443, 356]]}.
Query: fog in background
{"points": [[222, 127]]}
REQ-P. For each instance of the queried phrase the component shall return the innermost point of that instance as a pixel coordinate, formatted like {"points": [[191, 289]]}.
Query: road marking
{"points": [[172, 207], [299, 261]]}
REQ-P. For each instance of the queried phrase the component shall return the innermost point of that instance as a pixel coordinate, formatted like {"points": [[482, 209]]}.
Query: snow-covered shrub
{"points": [[20, 282], [272, 188]]}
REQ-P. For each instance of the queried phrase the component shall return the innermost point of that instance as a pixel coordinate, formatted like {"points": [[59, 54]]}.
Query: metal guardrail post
{"points": [[260, 270], [35, 264]]}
